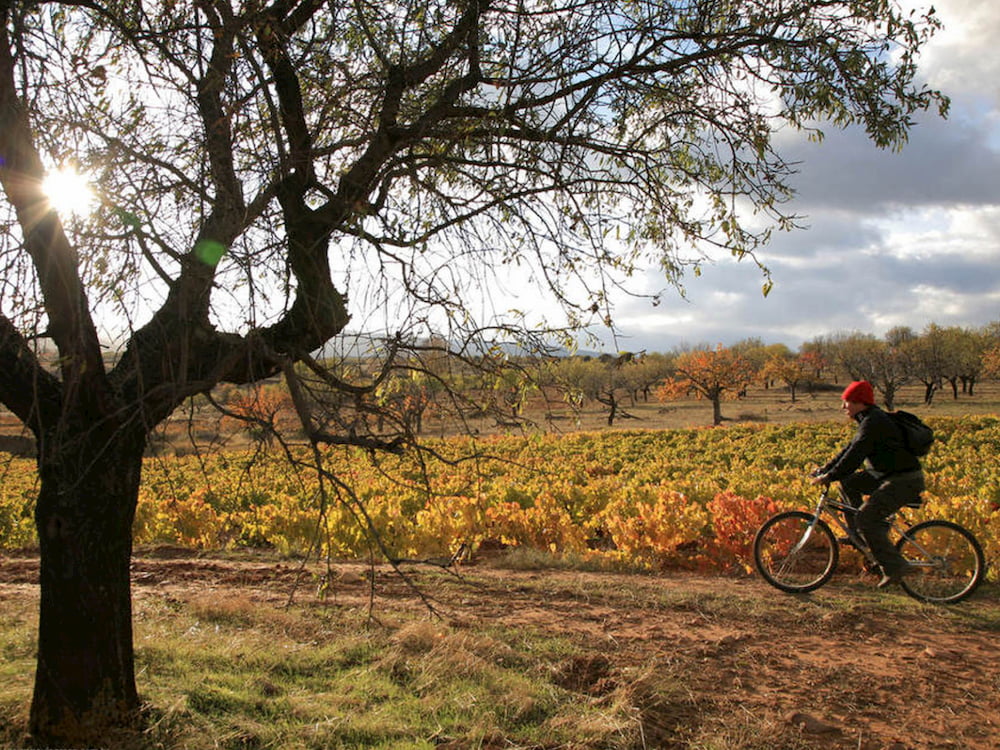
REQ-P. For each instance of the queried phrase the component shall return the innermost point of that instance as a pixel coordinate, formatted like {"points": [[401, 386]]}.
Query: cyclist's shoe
{"points": [[893, 579]]}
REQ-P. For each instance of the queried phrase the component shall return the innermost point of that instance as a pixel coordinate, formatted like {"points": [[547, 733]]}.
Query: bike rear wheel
{"points": [[946, 562], [795, 552]]}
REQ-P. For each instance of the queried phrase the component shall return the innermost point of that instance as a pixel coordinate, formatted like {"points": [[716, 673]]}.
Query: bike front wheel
{"points": [[946, 562], [795, 552]]}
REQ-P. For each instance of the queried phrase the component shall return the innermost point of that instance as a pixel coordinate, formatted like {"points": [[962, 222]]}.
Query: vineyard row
{"points": [[639, 500]]}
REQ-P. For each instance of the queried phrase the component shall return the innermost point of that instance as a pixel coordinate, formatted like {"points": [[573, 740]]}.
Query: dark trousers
{"points": [[885, 495]]}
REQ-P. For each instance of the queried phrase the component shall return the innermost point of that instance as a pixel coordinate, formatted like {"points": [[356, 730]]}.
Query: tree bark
{"points": [[928, 393], [85, 684], [716, 409]]}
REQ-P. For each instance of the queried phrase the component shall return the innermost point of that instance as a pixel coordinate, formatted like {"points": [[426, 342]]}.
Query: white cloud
{"points": [[960, 58], [905, 238]]}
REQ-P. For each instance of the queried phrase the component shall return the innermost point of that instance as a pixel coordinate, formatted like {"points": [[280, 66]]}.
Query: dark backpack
{"points": [[917, 436]]}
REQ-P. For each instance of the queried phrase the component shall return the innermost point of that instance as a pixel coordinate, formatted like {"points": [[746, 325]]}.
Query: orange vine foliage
{"points": [[735, 521]]}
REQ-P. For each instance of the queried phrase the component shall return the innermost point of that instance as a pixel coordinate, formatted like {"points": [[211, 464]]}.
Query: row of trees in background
{"points": [[429, 383], [939, 358]]}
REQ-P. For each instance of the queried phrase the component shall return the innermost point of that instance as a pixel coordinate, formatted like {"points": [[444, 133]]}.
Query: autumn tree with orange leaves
{"points": [[789, 369], [991, 362], [707, 373]]}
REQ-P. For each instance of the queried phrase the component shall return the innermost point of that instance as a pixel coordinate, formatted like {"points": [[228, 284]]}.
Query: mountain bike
{"points": [[796, 551]]}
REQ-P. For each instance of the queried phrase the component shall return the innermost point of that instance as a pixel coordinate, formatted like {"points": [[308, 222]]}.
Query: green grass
{"points": [[18, 635], [238, 674]]}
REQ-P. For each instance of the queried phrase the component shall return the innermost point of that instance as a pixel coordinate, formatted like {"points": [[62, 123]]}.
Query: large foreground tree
{"points": [[257, 161]]}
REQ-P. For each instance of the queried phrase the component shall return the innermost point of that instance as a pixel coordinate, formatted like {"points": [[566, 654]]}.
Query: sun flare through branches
{"points": [[69, 192]]}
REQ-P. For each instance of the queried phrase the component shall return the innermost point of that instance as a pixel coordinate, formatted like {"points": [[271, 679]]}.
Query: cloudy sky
{"points": [[892, 239]]}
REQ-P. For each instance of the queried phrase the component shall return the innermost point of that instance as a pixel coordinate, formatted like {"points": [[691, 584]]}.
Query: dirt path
{"points": [[845, 669], [848, 667]]}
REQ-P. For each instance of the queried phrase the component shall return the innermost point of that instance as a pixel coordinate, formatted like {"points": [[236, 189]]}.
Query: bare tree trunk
{"points": [[610, 401], [84, 683], [716, 410], [954, 388]]}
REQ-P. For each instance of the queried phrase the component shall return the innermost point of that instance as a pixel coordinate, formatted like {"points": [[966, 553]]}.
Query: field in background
{"points": [[202, 429], [761, 406], [773, 406]]}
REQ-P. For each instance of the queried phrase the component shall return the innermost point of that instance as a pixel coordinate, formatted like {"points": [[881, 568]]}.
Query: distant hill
{"points": [[361, 346]]}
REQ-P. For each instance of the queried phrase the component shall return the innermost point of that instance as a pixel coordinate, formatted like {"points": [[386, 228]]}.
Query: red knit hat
{"points": [[860, 391]]}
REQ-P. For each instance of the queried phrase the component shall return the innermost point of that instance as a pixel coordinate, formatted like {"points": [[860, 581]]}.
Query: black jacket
{"points": [[879, 441]]}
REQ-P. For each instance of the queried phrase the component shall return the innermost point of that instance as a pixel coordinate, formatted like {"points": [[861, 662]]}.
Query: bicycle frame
{"points": [[827, 504], [797, 551], [825, 507]]}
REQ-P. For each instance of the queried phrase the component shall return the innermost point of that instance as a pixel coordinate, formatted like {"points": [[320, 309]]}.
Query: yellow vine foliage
{"points": [[657, 529], [653, 500], [544, 524]]}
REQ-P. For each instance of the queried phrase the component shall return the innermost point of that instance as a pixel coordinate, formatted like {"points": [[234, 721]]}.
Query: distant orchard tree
{"points": [[942, 355], [790, 369], [886, 366], [602, 379], [991, 362], [899, 336], [968, 347], [756, 352], [989, 351], [270, 175], [929, 359], [821, 353], [815, 361], [648, 372], [713, 374]]}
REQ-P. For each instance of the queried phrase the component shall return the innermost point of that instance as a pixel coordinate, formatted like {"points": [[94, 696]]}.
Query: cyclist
{"points": [[892, 478]]}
